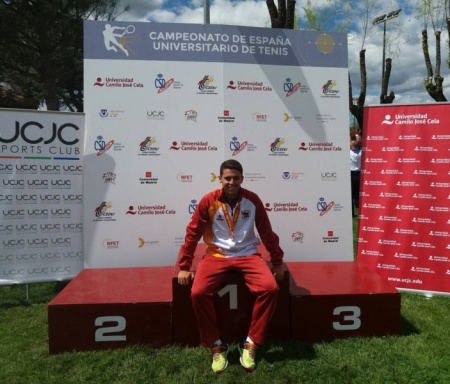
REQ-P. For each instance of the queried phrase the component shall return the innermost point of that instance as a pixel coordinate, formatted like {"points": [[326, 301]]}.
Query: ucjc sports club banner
{"points": [[404, 224], [167, 103], [41, 196]]}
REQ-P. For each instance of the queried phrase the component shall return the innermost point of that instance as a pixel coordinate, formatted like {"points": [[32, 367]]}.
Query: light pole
{"points": [[206, 12], [383, 19]]}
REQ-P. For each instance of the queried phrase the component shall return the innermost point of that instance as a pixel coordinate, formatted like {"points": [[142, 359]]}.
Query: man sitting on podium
{"points": [[226, 218]]}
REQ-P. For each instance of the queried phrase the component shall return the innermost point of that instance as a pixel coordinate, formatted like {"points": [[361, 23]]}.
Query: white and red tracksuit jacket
{"points": [[210, 221]]}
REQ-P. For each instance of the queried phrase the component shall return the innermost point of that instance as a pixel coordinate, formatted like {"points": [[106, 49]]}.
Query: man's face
{"points": [[231, 180]]}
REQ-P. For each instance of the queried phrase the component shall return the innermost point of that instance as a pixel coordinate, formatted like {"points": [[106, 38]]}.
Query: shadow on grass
{"points": [[292, 350], [15, 295], [407, 328]]}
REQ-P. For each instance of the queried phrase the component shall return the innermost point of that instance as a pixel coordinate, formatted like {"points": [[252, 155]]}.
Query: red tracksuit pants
{"points": [[208, 279]]}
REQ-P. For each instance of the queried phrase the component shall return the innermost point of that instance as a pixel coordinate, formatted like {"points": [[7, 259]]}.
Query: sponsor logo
{"points": [[104, 213], [325, 146], [110, 244], [118, 82], [111, 114], [162, 85], [277, 147], [50, 199], [73, 199], [377, 138], [26, 168], [6, 229], [192, 206], [156, 115], [73, 227], [199, 146], [330, 237], [237, 147], [254, 176], [50, 228], [325, 118], [191, 115], [297, 237], [61, 133], [61, 184], [206, 87], [226, 118], [6, 168], [291, 206], [328, 176], [259, 117], [109, 177], [37, 184], [248, 86], [156, 209], [329, 89], [145, 243], [290, 88], [292, 176], [13, 244], [119, 39], [13, 184], [147, 147], [323, 207], [60, 213], [410, 119], [148, 179], [11, 214], [287, 117], [184, 178], [6, 199], [72, 169], [38, 243], [101, 146]]}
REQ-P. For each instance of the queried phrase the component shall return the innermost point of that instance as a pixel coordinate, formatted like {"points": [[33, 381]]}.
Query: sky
{"points": [[403, 41]]}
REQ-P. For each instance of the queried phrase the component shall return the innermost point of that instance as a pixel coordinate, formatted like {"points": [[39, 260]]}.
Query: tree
{"points": [[42, 47], [284, 15], [325, 15], [356, 105], [10, 98], [434, 12]]}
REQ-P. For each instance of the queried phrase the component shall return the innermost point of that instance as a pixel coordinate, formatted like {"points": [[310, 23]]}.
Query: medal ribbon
{"points": [[231, 222]]}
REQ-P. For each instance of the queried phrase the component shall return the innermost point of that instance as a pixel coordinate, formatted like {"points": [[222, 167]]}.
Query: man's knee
{"points": [[270, 288]]}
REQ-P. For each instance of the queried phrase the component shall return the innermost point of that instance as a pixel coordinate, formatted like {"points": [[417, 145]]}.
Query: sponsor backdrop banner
{"points": [[41, 196], [404, 224], [167, 103]]}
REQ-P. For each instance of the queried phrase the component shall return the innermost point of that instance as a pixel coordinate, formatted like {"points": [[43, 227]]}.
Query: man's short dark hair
{"points": [[231, 164]]}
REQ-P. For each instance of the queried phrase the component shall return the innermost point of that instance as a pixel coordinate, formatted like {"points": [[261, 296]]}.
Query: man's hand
{"points": [[185, 277], [278, 272]]}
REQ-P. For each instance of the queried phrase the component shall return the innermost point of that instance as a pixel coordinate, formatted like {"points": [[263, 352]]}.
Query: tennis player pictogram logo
{"points": [[115, 37]]}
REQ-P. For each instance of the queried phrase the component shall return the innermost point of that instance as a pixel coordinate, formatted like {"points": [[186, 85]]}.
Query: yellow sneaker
{"points": [[219, 358], [248, 355]]}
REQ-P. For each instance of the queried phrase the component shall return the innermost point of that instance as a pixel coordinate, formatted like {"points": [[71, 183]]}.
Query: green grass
{"points": [[421, 354]]}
